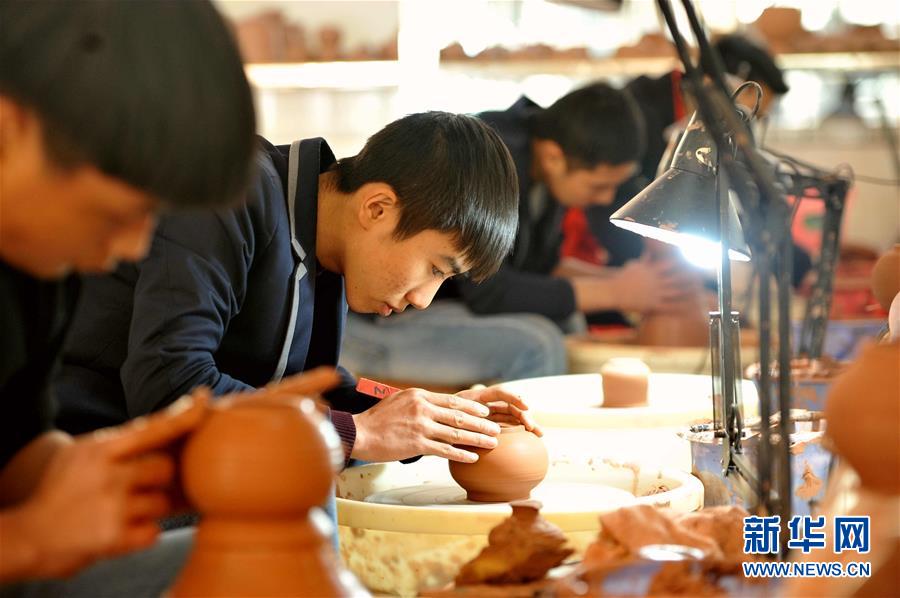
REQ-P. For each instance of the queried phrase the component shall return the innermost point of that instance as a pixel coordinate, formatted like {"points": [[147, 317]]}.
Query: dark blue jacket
{"points": [[224, 299]]}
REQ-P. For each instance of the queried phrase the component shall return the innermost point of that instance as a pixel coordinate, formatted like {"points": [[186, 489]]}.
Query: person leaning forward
{"points": [[238, 298]]}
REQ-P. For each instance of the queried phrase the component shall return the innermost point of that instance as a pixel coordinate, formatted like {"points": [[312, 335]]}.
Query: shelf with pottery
{"points": [[345, 74], [597, 68], [374, 74]]}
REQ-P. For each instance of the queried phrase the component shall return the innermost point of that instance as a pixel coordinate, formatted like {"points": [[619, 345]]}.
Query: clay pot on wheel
{"points": [[508, 471], [254, 469], [688, 327], [687, 324], [862, 410]]}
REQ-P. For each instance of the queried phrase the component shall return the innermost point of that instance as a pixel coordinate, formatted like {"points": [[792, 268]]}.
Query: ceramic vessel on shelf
{"points": [[507, 472]]}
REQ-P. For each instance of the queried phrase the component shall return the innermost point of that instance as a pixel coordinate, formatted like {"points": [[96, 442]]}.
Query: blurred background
{"points": [[343, 69]]}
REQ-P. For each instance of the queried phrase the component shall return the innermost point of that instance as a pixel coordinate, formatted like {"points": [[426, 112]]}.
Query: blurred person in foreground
{"points": [[100, 105]]}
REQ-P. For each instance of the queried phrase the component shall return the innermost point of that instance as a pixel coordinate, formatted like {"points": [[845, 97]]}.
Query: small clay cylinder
{"points": [[625, 382]]}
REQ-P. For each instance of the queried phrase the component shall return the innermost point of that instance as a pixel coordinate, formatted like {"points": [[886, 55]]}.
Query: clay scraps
{"points": [[521, 549], [717, 532]]}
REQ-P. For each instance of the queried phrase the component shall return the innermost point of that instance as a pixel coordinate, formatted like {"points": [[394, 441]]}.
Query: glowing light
{"points": [[699, 251]]}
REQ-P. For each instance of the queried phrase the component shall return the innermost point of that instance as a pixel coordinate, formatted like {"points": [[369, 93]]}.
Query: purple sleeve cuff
{"points": [[346, 429]]}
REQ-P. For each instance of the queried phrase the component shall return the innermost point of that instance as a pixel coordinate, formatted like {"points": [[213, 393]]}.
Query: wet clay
{"points": [[625, 382], [507, 472], [520, 550], [684, 579], [863, 411], [254, 469], [715, 531]]}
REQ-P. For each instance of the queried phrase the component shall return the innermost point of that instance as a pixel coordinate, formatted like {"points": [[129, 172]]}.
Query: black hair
{"points": [[750, 62], [594, 125], [151, 93], [451, 173]]}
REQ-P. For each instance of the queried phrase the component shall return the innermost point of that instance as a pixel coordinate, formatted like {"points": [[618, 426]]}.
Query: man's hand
{"points": [[645, 286], [417, 422], [505, 407], [99, 496]]}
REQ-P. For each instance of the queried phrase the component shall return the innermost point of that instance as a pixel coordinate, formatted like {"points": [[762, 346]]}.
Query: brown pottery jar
{"points": [[508, 471]]}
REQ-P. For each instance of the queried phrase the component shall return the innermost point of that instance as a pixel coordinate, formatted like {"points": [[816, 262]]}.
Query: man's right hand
{"points": [[417, 422], [99, 496]]}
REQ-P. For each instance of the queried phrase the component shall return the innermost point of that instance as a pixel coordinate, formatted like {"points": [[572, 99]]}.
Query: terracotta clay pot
{"points": [[254, 469], [689, 328], [863, 414], [625, 382], [507, 472], [886, 277], [686, 326]]}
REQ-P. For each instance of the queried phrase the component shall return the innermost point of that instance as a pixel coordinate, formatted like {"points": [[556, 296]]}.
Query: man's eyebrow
{"points": [[454, 265]]}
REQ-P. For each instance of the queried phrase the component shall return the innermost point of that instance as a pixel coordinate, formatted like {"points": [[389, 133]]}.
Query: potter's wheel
{"points": [[569, 408], [576, 401], [404, 528], [588, 353], [555, 497]]}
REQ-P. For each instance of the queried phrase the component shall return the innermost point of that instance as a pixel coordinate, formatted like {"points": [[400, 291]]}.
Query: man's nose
{"points": [[422, 296]]}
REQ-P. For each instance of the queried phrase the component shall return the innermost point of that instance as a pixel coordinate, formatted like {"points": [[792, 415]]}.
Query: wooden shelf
{"points": [[632, 67], [377, 74], [349, 75]]}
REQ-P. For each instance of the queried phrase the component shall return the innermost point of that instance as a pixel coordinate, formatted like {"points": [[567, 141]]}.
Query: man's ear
{"points": [[551, 157], [12, 125], [378, 204], [21, 133]]}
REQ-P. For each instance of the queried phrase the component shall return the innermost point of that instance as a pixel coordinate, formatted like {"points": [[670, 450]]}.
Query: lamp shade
{"points": [[679, 207]]}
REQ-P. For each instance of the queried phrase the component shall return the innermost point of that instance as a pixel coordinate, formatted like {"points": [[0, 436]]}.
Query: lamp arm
{"points": [[718, 113], [818, 307], [708, 55]]}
